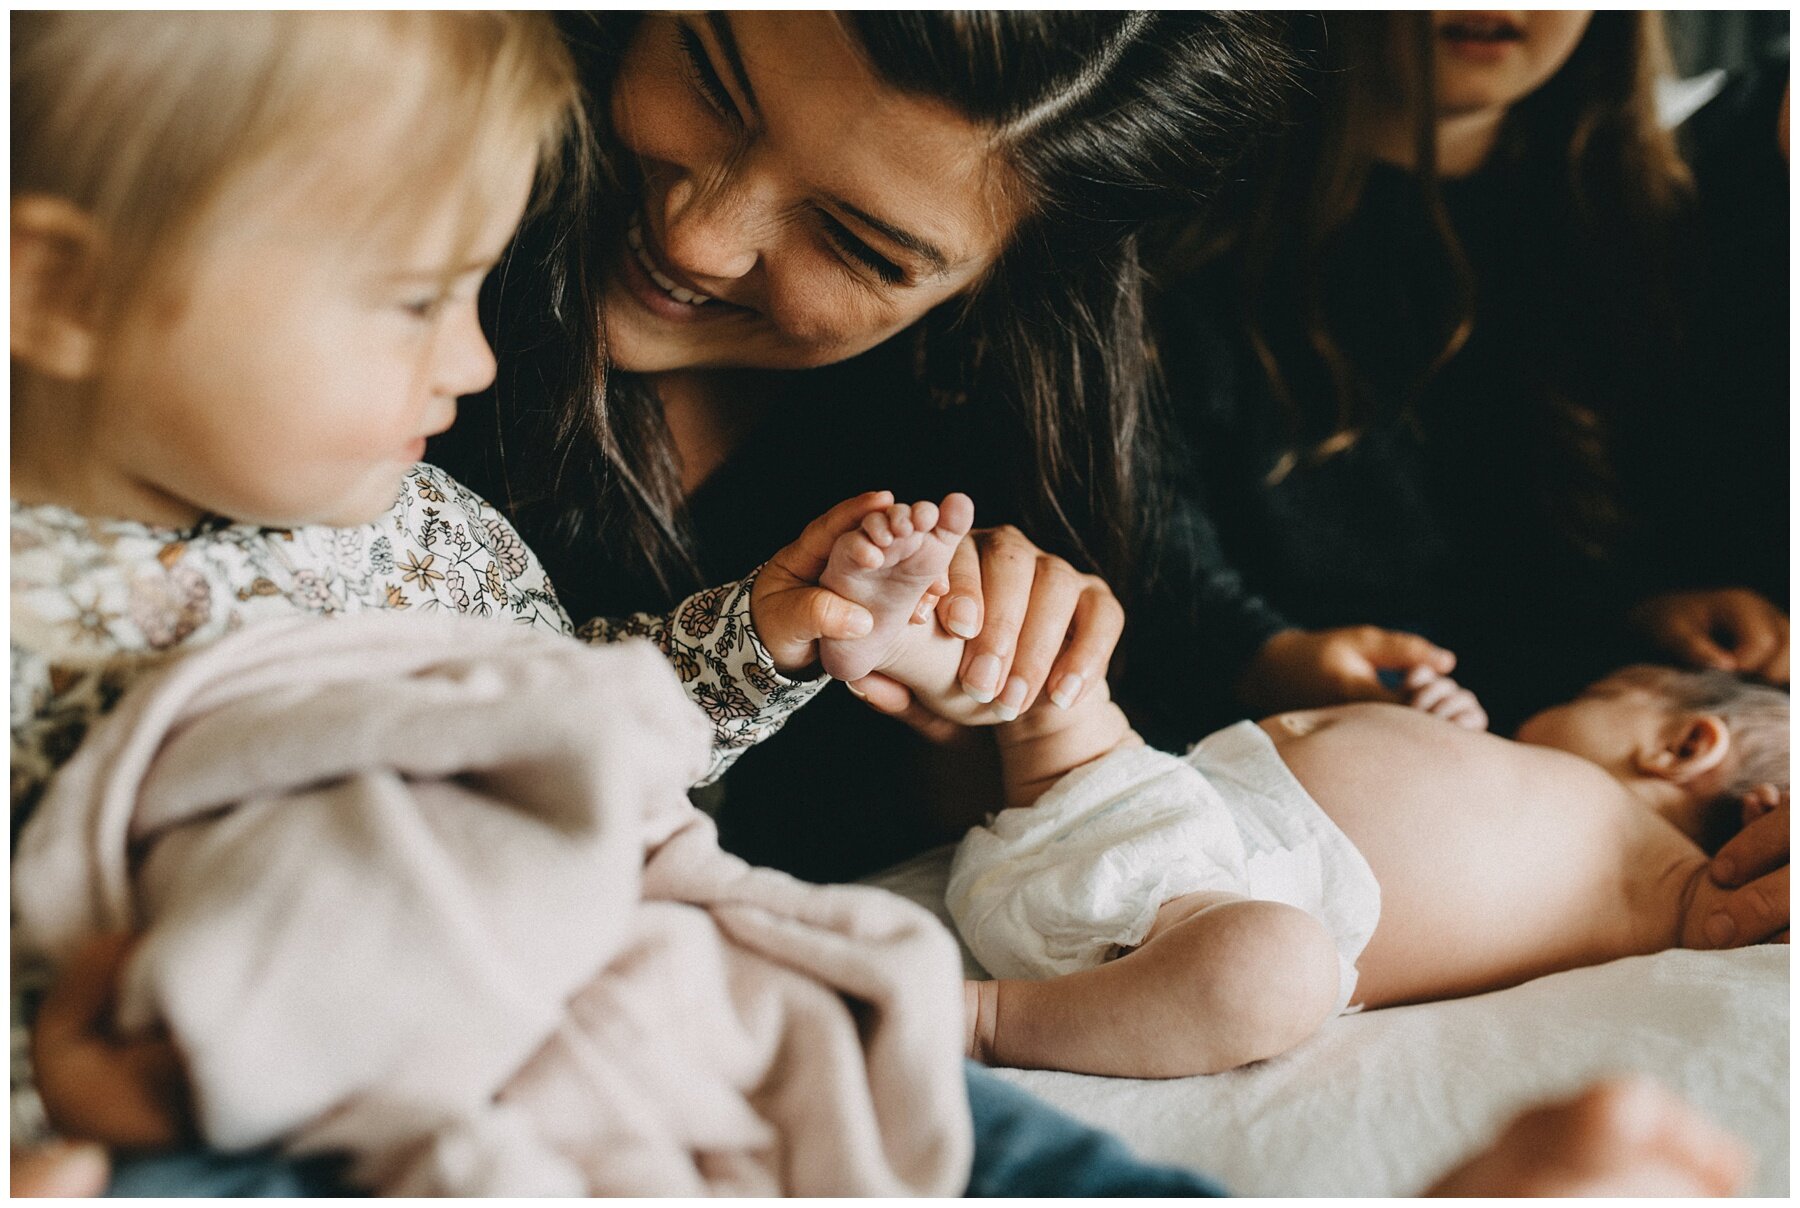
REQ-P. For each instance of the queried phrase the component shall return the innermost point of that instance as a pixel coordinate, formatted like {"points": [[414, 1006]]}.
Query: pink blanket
{"points": [[429, 890]]}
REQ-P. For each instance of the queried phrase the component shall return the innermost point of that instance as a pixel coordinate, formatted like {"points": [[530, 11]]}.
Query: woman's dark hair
{"points": [[1614, 180], [1108, 120]]}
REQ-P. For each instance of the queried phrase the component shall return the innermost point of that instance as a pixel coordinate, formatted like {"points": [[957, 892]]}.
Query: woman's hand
{"points": [[1752, 869], [1727, 629], [126, 1093], [1302, 668], [1034, 624]]}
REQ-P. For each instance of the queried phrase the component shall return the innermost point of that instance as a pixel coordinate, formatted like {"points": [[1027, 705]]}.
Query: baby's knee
{"points": [[1273, 983]]}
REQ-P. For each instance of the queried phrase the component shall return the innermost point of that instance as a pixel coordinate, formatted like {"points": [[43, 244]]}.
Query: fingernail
{"points": [[1720, 930], [1724, 870], [983, 678], [1011, 699], [853, 691], [962, 622], [1067, 689]]}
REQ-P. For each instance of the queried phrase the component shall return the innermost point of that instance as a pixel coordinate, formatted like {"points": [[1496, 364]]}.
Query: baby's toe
{"points": [[875, 527], [924, 516], [956, 515], [900, 520]]}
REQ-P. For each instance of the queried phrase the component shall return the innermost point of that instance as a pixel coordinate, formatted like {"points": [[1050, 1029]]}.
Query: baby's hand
{"points": [[789, 609], [1306, 669], [1441, 696], [125, 1093]]}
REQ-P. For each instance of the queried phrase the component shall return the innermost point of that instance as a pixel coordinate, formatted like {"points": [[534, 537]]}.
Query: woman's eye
{"points": [[861, 252], [704, 77]]}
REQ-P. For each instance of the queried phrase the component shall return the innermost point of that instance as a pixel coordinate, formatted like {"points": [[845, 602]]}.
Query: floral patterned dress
{"points": [[98, 604]]}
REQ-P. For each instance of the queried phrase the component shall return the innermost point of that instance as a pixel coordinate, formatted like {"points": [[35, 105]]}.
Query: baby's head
{"points": [[246, 248], [1709, 734]]}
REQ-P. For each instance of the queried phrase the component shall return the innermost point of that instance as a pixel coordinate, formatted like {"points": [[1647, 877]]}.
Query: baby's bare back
{"points": [[1497, 861]]}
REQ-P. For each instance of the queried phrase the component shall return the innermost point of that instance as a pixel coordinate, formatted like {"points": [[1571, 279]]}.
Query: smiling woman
{"points": [[946, 209], [823, 210]]}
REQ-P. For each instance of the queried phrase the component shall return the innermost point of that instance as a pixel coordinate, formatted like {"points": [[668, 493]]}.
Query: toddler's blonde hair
{"points": [[153, 123]]}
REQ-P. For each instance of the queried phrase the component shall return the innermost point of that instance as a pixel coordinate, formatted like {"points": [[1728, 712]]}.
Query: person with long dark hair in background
{"points": [[1416, 374]]}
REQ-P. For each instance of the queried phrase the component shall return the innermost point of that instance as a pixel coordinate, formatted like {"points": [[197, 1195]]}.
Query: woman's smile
{"points": [[788, 218], [659, 290]]}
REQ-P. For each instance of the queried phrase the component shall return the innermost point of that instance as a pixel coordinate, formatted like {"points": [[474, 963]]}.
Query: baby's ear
{"points": [[1693, 745], [55, 272]]}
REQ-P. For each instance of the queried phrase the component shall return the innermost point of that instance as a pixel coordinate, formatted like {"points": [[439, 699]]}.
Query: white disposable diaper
{"points": [[1069, 882]]}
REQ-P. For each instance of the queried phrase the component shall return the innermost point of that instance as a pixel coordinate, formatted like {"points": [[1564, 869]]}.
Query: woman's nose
{"points": [[713, 229]]}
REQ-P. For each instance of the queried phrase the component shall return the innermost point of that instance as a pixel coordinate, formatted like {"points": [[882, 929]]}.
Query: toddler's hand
{"points": [[1299, 668], [125, 1093], [789, 609], [1727, 629], [1441, 696]]}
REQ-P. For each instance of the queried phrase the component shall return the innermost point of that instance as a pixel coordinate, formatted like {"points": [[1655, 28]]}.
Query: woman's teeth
{"points": [[635, 237]]}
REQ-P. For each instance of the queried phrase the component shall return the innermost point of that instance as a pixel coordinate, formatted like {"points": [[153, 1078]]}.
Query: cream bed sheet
{"points": [[1379, 1104]]}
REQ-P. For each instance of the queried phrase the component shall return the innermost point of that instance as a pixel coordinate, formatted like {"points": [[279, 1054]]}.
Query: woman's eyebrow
{"points": [[720, 24]]}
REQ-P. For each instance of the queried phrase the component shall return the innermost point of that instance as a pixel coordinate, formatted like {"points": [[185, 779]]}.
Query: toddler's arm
{"points": [[737, 647]]}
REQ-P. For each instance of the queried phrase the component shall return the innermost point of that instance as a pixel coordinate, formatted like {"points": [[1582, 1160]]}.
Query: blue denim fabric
{"points": [[261, 1173], [1023, 1147]]}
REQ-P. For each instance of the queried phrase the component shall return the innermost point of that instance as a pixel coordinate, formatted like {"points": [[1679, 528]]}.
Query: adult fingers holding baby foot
{"points": [[1037, 621]]}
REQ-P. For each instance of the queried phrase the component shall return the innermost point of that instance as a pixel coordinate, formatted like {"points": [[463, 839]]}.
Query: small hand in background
{"points": [[126, 1092], [1441, 696], [1751, 870], [1301, 668], [63, 1169], [1726, 629]]}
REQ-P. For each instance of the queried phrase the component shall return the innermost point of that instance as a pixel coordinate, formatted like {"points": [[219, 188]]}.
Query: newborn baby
{"points": [[1154, 916]]}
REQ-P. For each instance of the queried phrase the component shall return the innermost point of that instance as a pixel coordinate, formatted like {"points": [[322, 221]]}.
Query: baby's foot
{"points": [[887, 566], [1626, 1137]]}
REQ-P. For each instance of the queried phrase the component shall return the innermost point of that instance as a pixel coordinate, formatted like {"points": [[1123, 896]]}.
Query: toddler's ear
{"points": [[1692, 746], [55, 262]]}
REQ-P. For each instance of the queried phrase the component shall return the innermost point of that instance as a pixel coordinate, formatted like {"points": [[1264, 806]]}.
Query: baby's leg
{"points": [[887, 566], [1219, 982]]}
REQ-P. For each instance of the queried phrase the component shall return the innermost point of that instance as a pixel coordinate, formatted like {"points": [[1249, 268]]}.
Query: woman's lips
{"points": [[659, 293], [1480, 38]]}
